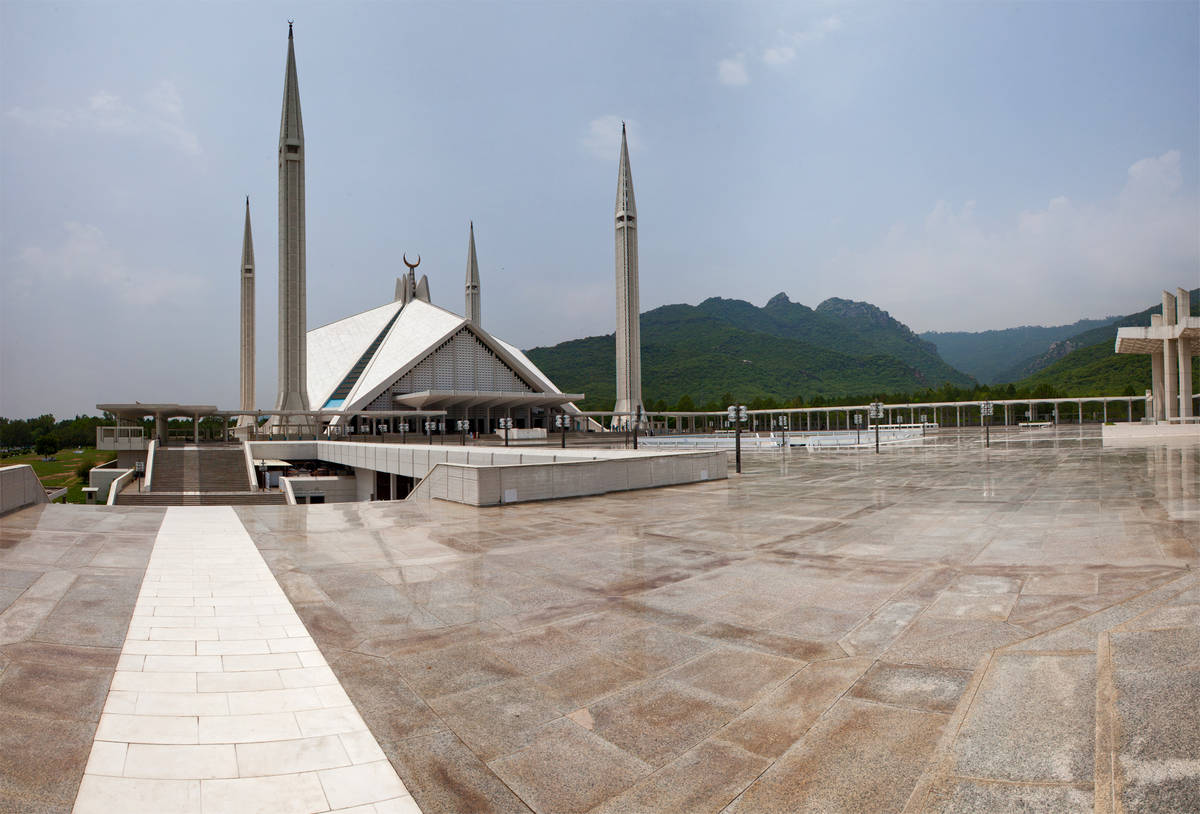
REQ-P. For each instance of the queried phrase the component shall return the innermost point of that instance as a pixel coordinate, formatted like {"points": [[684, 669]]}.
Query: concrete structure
{"points": [[629, 340], [472, 311], [247, 356], [926, 631], [414, 355], [20, 487], [293, 304], [1171, 341]]}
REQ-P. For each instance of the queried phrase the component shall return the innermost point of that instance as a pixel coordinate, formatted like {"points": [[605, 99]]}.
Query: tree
{"points": [[46, 445]]}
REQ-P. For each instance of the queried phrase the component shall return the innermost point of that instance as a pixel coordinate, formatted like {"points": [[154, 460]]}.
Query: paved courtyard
{"points": [[942, 628]]}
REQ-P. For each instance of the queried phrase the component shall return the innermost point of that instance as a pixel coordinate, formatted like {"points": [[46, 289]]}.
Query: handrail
{"points": [[150, 462]]}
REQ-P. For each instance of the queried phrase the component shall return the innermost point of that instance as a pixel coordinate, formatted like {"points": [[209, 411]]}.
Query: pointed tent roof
{"points": [[247, 243], [625, 202], [291, 126], [417, 330]]}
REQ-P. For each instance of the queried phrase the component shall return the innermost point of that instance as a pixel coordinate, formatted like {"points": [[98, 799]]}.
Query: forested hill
{"points": [[722, 349], [1086, 364], [990, 355]]}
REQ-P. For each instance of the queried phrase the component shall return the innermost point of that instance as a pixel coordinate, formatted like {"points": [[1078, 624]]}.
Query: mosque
{"points": [[365, 372]]}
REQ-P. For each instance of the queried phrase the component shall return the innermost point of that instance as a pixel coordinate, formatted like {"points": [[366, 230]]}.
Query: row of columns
{"points": [[1171, 370]]}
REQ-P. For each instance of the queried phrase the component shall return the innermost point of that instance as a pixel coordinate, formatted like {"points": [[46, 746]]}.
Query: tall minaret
{"points": [[293, 351], [629, 346], [247, 321], [472, 312]]}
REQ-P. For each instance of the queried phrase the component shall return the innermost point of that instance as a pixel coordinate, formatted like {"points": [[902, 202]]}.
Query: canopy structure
{"points": [[1171, 340]]}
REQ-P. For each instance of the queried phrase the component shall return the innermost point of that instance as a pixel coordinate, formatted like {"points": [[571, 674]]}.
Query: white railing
{"points": [[113, 439]]}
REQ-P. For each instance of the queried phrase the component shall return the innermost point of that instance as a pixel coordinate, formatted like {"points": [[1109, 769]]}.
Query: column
{"points": [[1183, 349]]}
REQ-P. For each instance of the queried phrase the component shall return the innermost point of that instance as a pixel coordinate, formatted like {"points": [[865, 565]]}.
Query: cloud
{"points": [[785, 51], [158, 116], [1047, 265], [732, 71], [85, 260], [602, 139]]}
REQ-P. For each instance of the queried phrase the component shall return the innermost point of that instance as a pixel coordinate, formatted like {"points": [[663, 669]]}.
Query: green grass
{"points": [[61, 471]]}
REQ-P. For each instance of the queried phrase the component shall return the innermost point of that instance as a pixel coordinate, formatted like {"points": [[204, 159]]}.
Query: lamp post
{"points": [[857, 429], [429, 431], [876, 412], [985, 412], [463, 424], [403, 431], [737, 414], [636, 422], [562, 421], [783, 423], [506, 425]]}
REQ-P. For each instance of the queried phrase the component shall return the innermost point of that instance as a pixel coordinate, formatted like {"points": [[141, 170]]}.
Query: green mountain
{"points": [[722, 349], [1090, 367], [990, 355]]}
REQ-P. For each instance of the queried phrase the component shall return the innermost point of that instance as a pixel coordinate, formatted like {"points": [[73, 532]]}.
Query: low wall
{"points": [[1137, 434], [20, 487], [101, 477], [478, 485]]}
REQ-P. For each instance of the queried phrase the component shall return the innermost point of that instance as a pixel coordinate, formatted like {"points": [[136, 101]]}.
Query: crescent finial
{"points": [[411, 265]]}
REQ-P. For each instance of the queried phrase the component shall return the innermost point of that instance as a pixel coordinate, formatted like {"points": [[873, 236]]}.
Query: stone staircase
{"points": [[199, 476], [1101, 715]]}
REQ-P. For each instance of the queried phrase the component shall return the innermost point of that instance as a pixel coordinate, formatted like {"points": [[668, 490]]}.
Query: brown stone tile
{"points": [[881, 628], [445, 777], [959, 795], [956, 643], [1032, 720], [42, 758], [55, 691], [739, 676], [704, 779], [328, 628], [860, 757], [906, 685], [95, 611], [814, 624], [568, 769], [389, 707], [62, 655], [952, 605], [538, 650], [652, 649], [452, 669], [767, 641], [771, 726], [581, 682], [659, 719], [497, 719]]}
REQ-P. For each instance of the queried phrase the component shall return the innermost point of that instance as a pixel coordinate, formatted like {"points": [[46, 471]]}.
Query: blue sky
{"points": [[964, 166]]}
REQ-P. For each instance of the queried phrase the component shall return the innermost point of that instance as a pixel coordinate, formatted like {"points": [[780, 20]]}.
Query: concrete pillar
{"points": [[1079, 417], [1183, 350], [195, 429]]}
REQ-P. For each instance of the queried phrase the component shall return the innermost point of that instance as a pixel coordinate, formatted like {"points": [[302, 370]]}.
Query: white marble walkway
{"points": [[221, 701]]}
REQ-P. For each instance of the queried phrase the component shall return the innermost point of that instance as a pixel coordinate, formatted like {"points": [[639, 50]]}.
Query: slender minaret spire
{"points": [[472, 313], [629, 347], [293, 367], [247, 321]]}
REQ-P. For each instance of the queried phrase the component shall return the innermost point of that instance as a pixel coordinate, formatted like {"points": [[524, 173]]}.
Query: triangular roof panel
{"points": [[334, 348]]}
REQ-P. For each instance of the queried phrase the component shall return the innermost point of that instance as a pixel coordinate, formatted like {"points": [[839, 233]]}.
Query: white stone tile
{"points": [[154, 682], [249, 631], [182, 664], [281, 794], [121, 702], [131, 662], [276, 726], [177, 762], [332, 695], [287, 700], [182, 703], [398, 805], [239, 682], [183, 634], [308, 677], [362, 747], [329, 721], [296, 644], [107, 757], [272, 661], [172, 610], [285, 757], [238, 647], [365, 783], [110, 795], [147, 647], [312, 659], [147, 728]]}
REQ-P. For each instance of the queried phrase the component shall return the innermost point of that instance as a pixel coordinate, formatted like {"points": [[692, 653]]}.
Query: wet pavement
{"points": [[936, 628]]}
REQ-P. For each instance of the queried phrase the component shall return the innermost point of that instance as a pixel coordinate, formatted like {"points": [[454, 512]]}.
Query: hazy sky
{"points": [[963, 165]]}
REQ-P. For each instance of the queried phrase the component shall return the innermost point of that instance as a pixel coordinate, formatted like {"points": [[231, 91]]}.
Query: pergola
{"points": [[1171, 341]]}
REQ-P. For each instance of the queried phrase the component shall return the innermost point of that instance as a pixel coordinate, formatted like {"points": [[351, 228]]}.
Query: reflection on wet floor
{"points": [[798, 638]]}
